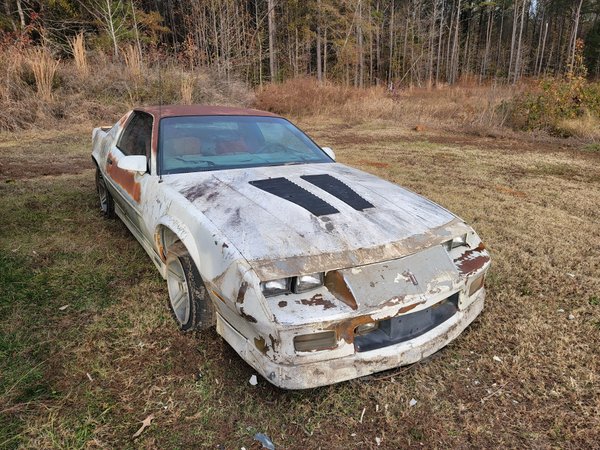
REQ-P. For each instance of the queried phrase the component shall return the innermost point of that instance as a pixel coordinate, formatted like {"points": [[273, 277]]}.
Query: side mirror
{"points": [[133, 163], [329, 152]]}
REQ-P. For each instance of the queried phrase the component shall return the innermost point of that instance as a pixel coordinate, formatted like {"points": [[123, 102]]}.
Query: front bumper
{"points": [[320, 373]]}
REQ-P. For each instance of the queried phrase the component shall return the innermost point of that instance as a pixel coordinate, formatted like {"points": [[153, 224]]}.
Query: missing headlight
{"points": [[458, 241], [366, 328]]}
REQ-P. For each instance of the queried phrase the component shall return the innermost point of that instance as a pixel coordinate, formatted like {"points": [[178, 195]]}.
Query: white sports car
{"points": [[313, 271]]}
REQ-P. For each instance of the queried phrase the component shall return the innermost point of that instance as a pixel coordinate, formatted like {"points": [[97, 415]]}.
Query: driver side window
{"points": [[137, 137]]}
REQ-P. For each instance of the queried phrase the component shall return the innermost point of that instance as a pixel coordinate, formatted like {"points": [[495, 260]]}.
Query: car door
{"points": [[127, 187]]}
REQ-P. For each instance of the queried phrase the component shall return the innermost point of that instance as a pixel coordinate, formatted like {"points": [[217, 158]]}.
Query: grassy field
{"points": [[88, 349]]}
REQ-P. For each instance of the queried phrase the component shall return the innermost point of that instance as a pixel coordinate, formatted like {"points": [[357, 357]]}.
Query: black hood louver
{"points": [[290, 191], [338, 189]]}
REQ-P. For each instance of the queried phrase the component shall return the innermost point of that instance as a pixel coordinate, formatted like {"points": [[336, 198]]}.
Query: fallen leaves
{"points": [[145, 424]]}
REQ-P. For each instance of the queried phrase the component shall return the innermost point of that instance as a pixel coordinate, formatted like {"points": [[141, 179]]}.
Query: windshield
{"points": [[200, 143]]}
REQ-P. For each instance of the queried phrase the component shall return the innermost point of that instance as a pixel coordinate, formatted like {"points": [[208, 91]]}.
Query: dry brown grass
{"points": [[78, 50], [534, 203], [101, 95], [465, 106], [586, 127], [187, 89], [133, 60], [44, 67]]}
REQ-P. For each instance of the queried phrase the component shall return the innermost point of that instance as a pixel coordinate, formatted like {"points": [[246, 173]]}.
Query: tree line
{"points": [[356, 42]]}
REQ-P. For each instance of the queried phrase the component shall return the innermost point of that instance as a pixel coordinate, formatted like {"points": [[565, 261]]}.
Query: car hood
{"points": [[289, 220]]}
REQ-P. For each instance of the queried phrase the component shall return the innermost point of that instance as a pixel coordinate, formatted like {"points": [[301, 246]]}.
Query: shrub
{"points": [[565, 107]]}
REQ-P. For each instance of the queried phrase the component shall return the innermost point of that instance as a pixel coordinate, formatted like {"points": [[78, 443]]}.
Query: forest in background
{"points": [[356, 42], [459, 64]]}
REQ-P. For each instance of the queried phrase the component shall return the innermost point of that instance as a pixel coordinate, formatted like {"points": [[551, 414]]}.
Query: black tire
{"points": [[192, 309], [107, 204]]}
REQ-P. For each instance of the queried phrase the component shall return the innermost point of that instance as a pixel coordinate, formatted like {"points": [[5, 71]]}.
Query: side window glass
{"points": [[137, 137]]}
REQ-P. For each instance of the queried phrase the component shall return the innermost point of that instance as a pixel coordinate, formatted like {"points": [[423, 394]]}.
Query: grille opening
{"points": [[407, 326]]}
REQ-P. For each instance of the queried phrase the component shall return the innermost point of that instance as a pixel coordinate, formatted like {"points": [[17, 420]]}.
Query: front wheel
{"points": [[189, 302], [107, 204]]}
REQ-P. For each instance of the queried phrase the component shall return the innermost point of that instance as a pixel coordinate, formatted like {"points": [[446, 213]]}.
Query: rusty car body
{"points": [[313, 271]]}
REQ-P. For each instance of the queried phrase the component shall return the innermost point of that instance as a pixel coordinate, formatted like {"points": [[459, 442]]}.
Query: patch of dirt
{"points": [[19, 168], [379, 165]]}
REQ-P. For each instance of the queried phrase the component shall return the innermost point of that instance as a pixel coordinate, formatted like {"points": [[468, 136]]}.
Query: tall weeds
{"points": [[187, 89], [43, 67], [79, 54], [133, 60], [38, 90], [470, 105]]}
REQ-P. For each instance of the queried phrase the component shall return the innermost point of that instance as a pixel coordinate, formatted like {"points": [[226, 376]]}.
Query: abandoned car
{"points": [[313, 271]]}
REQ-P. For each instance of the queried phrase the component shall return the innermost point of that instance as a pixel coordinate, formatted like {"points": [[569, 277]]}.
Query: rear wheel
{"points": [[188, 298], [107, 205]]}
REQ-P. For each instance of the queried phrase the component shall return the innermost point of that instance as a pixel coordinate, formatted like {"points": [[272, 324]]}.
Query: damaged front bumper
{"points": [[303, 375]]}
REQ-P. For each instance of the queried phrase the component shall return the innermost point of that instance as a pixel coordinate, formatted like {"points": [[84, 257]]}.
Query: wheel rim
{"points": [[178, 291], [102, 193]]}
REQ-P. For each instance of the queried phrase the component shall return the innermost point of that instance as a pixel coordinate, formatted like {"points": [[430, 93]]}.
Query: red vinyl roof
{"points": [[201, 110]]}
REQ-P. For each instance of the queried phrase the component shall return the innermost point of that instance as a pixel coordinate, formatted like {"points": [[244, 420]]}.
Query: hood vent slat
{"points": [[290, 191], [338, 189]]}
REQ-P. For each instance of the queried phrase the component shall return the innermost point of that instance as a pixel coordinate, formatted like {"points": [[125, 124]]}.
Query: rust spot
{"points": [[472, 260], [407, 308], [345, 329], [282, 304], [218, 295], [124, 178], [317, 300], [261, 345], [159, 247], [248, 317], [242, 292], [335, 282]]}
